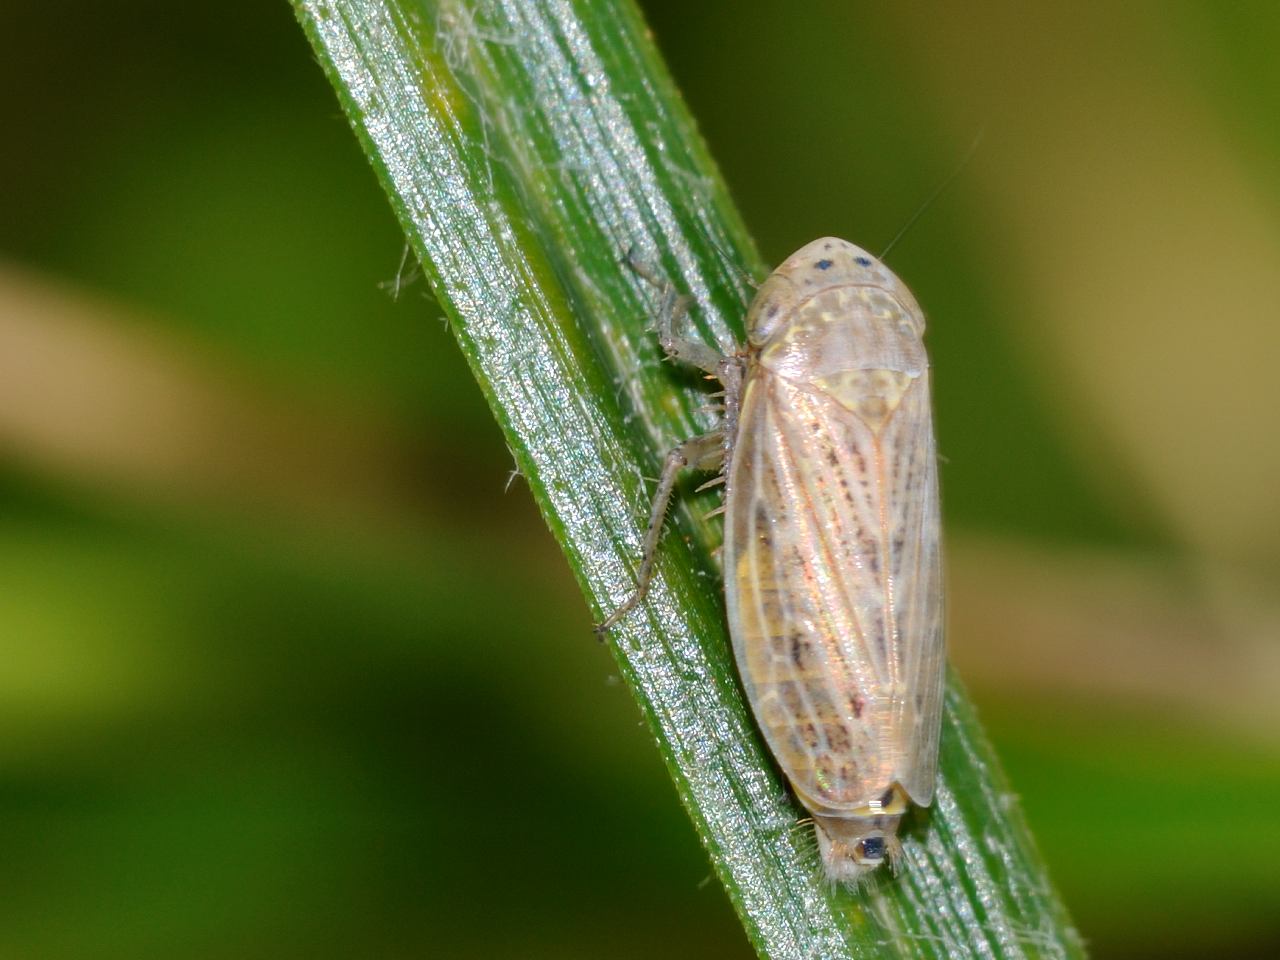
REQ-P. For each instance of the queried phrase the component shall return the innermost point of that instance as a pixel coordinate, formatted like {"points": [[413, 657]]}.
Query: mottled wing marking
{"points": [[836, 594], [809, 528], [777, 603]]}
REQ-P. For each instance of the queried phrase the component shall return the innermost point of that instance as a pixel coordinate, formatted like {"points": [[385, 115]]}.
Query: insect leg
{"points": [[679, 347], [670, 322], [704, 452]]}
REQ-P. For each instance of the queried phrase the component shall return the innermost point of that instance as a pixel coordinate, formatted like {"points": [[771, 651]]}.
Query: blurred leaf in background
{"points": [[265, 604]]}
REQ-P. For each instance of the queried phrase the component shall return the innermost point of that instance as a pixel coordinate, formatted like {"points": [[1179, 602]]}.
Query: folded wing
{"points": [[834, 589]]}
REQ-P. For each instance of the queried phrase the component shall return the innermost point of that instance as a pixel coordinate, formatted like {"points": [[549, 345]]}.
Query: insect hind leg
{"points": [[703, 452]]}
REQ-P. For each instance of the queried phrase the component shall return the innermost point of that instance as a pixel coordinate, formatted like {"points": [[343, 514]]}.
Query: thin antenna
{"points": [[747, 279], [964, 162]]}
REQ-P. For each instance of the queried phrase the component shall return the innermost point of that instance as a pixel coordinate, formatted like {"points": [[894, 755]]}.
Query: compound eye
{"points": [[873, 849]]}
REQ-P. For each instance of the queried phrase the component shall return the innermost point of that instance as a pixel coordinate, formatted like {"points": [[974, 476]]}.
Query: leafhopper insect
{"points": [[832, 559]]}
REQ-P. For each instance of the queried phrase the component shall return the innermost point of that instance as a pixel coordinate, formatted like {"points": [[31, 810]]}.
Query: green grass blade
{"points": [[525, 148]]}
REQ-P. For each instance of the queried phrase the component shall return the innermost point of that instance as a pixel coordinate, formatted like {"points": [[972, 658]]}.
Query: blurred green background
{"points": [[288, 671]]}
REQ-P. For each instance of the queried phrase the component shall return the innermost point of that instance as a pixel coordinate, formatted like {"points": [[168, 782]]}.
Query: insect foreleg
{"points": [[704, 452], [670, 321], [679, 347]]}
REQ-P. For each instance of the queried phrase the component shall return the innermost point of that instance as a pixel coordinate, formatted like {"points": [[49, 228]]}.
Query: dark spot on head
{"points": [[772, 311], [873, 848], [862, 261], [823, 264]]}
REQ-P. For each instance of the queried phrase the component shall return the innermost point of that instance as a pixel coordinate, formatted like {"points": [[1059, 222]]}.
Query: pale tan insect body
{"points": [[832, 559]]}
